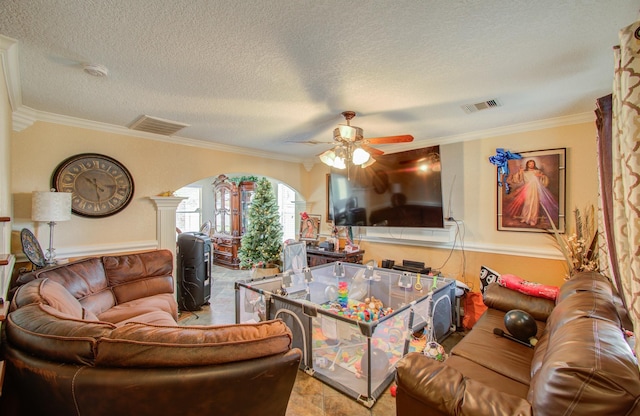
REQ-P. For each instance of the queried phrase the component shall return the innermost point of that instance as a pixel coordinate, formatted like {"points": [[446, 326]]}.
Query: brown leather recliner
{"points": [[100, 337], [581, 365]]}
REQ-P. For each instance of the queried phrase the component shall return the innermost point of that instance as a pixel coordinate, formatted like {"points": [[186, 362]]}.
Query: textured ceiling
{"points": [[260, 74]]}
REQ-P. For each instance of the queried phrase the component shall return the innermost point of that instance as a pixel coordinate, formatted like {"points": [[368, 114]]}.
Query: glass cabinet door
{"points": [[218, 214], [222, 214], [226, 225], [245, 202], [246, 192]]}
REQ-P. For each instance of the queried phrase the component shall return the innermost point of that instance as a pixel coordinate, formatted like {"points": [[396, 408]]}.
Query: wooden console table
{"points": [[317, 257]]}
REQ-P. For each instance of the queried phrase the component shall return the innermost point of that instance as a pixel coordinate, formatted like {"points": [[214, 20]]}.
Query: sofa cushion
{"points": [[585, 281], [496, 353], [594, 305], [56, 296], [81, 278], [85, 280], [505, 299], [588, 368], [51, 293], [427, 386], [157, 318], [46, 332], [125, 311], [140, 345], [486, 376], [139, 275]]}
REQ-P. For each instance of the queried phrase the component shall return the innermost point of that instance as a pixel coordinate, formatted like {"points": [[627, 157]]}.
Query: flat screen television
{"points": [[401, 189]]}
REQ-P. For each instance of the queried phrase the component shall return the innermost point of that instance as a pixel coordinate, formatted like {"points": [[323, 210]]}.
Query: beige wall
{"points": [[155, 166], [531, 256], [160, 166]]}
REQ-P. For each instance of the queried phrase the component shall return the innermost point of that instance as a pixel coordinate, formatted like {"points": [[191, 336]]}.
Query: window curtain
{"points": [[606, 240], [625, 170]]}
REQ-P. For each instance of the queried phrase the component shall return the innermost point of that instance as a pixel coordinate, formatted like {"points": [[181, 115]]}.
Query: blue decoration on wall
{"points": [[501, 160]]}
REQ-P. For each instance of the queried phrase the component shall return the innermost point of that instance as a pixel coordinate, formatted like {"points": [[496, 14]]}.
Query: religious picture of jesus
{"points": [[537, 193]]}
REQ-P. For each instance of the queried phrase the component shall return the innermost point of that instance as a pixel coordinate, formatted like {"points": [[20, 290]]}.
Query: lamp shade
{"points": [[50, 206], [328, 157], [360, 156]]}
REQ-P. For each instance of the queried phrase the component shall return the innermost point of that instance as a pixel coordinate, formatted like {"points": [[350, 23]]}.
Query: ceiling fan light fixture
{"points": [[328, 157], [360, 156], [347, 132], [338, 163]]}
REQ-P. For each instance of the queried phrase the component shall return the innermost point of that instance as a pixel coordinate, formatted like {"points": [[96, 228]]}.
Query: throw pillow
{"points": [[487, 276]]}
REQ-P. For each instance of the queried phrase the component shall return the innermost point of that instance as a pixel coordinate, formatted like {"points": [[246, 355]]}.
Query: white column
{"points": [[166, 226]]}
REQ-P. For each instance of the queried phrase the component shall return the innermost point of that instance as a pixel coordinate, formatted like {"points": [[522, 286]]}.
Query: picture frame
{"points": [[310, 227], [535, 194]]}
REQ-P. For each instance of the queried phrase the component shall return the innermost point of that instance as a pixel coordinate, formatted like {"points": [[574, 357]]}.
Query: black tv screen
{"points": [[400, 190]]}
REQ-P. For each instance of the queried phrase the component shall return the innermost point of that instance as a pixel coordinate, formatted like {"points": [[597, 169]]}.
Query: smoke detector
{"points": [[96, 70]]}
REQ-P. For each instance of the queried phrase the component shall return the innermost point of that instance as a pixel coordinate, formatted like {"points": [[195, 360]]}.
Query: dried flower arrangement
{"points": [[580, 248]]}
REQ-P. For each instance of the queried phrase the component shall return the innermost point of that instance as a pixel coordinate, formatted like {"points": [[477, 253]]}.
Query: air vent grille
{"points": [[157, 125], [484, 105]]}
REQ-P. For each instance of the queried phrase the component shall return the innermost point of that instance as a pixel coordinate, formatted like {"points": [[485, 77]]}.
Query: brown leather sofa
{"points": [[100, 337], [582, 364]]}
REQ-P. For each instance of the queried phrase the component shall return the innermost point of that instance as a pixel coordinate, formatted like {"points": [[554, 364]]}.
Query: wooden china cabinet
{"points": [[231, 203]]}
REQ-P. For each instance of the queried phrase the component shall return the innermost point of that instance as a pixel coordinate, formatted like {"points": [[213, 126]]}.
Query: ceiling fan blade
{"points": [[372, 150], [405, 138], [308, 142]]}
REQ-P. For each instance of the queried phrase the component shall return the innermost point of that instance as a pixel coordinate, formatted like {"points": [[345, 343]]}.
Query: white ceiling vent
{"points": [[157, 125], [484, 105]]}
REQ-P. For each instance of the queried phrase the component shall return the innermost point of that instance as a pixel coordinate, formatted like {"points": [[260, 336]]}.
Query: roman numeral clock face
{"points": [[101, 186]]}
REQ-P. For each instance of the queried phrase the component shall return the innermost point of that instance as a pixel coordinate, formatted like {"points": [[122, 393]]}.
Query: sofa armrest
{"points": [[425, 384], [505, 299]]}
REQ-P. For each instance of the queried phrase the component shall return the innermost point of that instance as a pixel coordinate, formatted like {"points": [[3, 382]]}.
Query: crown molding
{"points": [[24, 117], [27, 116], [9, 62], [580, 118]]}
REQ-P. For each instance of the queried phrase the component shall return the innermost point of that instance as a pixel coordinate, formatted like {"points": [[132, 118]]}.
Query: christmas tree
{"points": [[262, 241]]}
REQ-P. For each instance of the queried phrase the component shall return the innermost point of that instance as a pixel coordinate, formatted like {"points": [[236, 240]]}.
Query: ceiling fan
{"points": [[353, 148]]}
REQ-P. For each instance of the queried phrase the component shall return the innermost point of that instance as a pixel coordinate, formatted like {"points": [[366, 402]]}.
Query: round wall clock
{"points": [[101, 185]]}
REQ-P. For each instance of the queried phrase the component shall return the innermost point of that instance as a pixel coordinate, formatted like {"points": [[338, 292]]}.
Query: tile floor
{"points": [[310, 397]]}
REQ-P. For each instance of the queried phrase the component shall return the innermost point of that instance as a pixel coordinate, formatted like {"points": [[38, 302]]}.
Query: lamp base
{"points": [[50, 256]]}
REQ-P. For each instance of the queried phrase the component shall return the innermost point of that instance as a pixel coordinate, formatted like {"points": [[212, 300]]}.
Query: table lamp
{"points": [[50, 207]]}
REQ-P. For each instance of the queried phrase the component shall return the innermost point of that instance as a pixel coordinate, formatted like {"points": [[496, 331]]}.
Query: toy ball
{"points": [[379, 363], [331, 293], [520, 324], [435, 351]]}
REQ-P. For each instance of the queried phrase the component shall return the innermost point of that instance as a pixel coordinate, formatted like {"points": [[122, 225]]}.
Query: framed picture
{"points": [[310, 227], [537, 192]]}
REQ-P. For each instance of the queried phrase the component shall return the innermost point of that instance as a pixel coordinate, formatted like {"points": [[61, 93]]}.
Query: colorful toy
{"points": [[435, 351], [343, 294]]}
